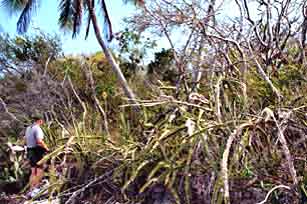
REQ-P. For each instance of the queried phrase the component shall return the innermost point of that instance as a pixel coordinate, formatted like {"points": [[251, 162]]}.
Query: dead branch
{"points": [[224, 162], [90, 77], [7, 111], [79, 99], [271, 191], [98, 179], [263, 74]]}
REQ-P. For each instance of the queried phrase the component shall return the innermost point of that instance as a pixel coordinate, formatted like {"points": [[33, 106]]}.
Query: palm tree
{"points": [[71, 15]]}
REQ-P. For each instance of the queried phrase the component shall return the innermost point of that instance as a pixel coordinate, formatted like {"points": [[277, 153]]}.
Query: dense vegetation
{"points": [[220, 117]]}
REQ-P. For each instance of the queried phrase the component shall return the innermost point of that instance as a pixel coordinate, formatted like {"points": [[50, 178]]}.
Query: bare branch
{"points": [[90, 77], [271, 191], [263, 74], [7, 111]]}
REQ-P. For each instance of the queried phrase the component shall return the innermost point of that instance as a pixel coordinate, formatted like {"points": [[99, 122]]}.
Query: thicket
{"points": [[222, 118], [184, 148]]}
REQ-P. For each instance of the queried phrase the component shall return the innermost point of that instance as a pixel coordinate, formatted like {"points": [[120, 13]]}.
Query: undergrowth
{"points": [[211, 147]]}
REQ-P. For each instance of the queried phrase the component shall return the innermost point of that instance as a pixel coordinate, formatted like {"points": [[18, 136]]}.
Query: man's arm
{"points": [[39, 138], [42, 144], [24, 140]]}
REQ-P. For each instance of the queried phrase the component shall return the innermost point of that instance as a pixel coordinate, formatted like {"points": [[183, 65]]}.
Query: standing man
{"points": [[36, 149]]}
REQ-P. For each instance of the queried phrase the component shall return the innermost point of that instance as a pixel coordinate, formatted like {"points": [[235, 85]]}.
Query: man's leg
{"points": [[33, 179], [37, 172], [40, 174], [36, 177]]}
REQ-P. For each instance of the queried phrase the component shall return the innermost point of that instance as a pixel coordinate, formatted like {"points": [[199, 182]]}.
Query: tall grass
{"points": [[213, 146]]}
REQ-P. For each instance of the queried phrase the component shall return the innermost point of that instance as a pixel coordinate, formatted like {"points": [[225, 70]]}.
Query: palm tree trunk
{"points": [[115, 67]]}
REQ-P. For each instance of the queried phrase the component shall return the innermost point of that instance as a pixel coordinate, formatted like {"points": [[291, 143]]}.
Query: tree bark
{"points": [[303, 37], [115, 67]]}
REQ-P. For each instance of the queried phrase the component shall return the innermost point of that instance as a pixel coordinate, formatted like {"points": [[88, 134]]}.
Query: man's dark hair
{"points": [[36, 117]]}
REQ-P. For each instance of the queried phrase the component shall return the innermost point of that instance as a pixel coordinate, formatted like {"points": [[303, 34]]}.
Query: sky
{"points": [[45, 18]]}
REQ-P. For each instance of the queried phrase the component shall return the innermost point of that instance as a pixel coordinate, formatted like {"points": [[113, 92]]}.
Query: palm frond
{"points": [[66, 9], [77, 17], [135, 2], [88, 25], [107, 21], [25, 16], [13, 6], [27, 7]]}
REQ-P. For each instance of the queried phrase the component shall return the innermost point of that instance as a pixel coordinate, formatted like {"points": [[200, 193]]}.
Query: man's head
{"points": [[38, 118]]}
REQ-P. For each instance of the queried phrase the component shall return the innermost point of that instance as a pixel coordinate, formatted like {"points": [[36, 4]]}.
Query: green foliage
{"points": [[290, 80], [133, 50], [12, 167], [75, 68], [133, 45], [27, 49], [163, 66], [257, 88], [20, 86]]}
